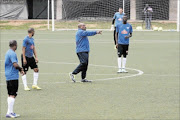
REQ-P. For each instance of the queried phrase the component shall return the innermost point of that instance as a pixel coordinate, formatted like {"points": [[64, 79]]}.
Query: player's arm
{"points": [[35, 54], [23, 53], [19, 68], [113, 21], [24, 50], [116, 36], [112, 26], [90, 33], [130, 33], [13, 59], [128, 36]]}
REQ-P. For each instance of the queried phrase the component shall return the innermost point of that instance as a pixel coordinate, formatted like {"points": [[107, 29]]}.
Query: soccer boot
{"points": [[124, 70], [26, 88], [36, 87], [85, 80], [12, 115], [119, 71], [72, 77]]}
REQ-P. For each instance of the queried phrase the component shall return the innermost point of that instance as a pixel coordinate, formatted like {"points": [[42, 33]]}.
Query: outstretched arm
{"points": [[90, 33]]}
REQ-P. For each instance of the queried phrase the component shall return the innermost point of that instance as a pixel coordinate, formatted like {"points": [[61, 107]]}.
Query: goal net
{"points": [[98, 14]]}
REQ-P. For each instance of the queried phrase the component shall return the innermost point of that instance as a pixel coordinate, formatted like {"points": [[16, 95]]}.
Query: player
{"points": [[82, 50], [123, 33], [28, 59], [118, 19], [11, 73]]}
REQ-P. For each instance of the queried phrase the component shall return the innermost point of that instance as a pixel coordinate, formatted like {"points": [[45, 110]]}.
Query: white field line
{"points": [[108, 30], [106, 66], [160, 75], [100, 42]]}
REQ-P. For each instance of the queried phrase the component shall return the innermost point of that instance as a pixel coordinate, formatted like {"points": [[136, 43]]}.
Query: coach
{"points": [[82, 50]]}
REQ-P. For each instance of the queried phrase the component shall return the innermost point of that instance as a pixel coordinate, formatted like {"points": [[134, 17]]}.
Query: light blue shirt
{"points": [[11, 72], [123, 30], [118, 18], [82, 42], [29, 44]]}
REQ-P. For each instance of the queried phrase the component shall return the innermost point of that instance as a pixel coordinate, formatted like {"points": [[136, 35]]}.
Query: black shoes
{"points": [[85, 80]]}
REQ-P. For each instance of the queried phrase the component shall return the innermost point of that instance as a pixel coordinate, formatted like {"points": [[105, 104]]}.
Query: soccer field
{"points": [[149, 91]]}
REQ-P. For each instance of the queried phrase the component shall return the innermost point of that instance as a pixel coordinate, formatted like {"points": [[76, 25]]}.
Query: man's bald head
{"points": [[82, 26]]}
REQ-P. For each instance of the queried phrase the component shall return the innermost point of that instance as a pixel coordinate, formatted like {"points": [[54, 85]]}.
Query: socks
{"points": [[124, 63], [36, 75], [10, 101], [24, 80], [119, 62]]}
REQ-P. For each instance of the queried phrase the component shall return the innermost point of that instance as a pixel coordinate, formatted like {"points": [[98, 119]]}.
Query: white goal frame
{"points": [[53, 25]]}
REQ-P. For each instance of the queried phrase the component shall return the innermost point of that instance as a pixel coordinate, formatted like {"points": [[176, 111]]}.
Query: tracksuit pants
{"points": [[83, 66]]}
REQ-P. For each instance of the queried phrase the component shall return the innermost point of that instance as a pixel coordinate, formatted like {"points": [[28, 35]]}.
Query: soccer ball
{"points": [[138, 28], [155, 28], [160, 29]]}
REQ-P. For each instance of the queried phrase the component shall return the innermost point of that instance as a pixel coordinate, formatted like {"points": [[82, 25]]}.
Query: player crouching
{"points": [[123, 33]]}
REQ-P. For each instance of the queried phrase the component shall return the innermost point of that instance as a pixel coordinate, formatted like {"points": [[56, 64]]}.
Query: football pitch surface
{"points": [[149, 91]]}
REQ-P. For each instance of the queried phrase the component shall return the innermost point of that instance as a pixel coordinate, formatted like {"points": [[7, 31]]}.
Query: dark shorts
{"points": [[12, 87], [30, 63], [123, 49]]}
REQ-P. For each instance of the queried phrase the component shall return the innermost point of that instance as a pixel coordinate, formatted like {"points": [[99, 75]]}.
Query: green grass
{"points": [[42, 25], [153, 95]]}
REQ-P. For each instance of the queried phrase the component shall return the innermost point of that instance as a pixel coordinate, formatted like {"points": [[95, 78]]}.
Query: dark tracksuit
{"points": [[82, 50]]}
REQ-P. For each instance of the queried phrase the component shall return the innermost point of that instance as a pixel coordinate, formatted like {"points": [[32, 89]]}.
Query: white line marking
{"points": [[139, 71], [107, 66], [162, 75]]}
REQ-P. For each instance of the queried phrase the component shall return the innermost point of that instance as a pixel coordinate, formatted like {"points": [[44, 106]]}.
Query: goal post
{"points": [[178, 15]]}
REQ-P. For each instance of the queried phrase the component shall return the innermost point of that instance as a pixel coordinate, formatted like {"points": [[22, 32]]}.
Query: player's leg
{"points": [[35, 68], [24, 78], [119, 51], [12, 87], [149, 23], [146, 21], [78, 68], [125, 53], [85, 64]]}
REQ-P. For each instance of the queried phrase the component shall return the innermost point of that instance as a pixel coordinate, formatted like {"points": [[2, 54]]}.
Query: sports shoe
{"points": [[85, 80], [72, 77], [36, 87], [119, 71], [12, 115], [17, 115], [26, 88], [124, 70]]}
